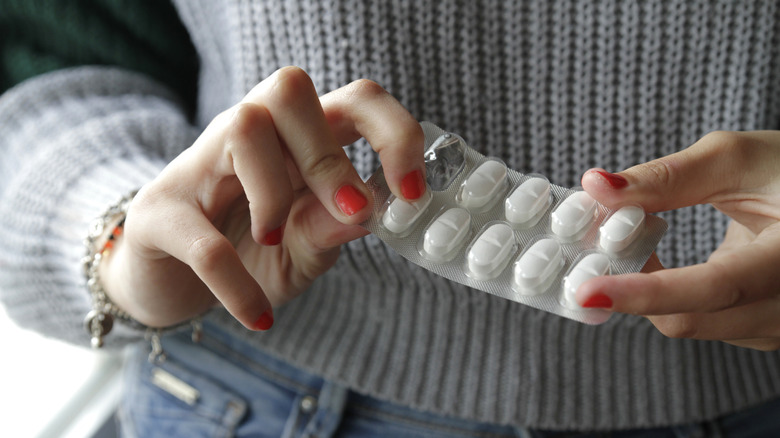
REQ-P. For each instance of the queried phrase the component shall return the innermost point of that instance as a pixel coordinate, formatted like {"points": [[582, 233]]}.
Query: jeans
{"points": [[220, 387]]}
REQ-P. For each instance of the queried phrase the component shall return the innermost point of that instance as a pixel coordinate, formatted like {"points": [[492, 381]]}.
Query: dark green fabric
{"points": [[38, 36]]}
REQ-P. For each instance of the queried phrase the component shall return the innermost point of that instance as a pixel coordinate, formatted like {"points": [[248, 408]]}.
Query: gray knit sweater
{"points": [[553, 87]]}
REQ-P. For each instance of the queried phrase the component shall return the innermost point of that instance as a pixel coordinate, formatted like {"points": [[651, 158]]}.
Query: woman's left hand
{"points": [[734, 296]]}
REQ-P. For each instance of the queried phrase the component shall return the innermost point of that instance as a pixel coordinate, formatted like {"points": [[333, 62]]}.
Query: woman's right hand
{"points": [[259, 205]]}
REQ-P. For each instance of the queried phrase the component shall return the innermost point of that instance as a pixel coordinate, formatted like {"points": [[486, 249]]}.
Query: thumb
{"points": [[691, 176]]}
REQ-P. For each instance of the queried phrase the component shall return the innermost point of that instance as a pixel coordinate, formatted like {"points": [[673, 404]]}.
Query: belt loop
{"points": [[331, 405]]}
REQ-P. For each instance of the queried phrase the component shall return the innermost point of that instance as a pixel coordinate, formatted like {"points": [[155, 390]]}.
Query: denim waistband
{"points": [[222, 386]]}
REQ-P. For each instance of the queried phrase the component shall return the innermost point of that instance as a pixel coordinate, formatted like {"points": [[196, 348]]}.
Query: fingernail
{"points": [[616, 181], [413, 185], [274, 237], [265, 321], [598, 301], [350, 200]]}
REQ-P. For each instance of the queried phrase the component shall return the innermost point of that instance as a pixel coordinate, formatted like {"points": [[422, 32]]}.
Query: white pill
{"points": [[483, 185], [622, 228], [573, 214], [538, 264], [491, 250], [527, 200], [447, 232], [591, 266], [400, 215]]}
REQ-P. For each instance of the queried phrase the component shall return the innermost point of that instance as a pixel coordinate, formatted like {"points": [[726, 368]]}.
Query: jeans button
{"points": [[308, 404]]}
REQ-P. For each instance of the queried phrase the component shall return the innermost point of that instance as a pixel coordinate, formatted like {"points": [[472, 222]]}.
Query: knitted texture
{"points": [[553, 87]]}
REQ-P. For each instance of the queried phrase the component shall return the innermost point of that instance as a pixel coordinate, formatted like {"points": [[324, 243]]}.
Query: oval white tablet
{"points": [[491, 250], [400, 215], [538, 264], [622, 228], [527, 200], [591, 266], [483, 185], [447, 232], [573, 214]]}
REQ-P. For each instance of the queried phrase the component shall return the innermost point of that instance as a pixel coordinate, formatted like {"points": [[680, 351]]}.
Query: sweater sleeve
{"points": [[73, 142], [94, 106]]}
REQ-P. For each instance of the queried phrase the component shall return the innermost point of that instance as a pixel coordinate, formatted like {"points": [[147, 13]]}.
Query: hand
{"points": [[735, 295], [259, 205]]}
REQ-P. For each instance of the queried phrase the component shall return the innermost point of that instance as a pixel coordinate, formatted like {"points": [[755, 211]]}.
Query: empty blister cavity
{"points": [[573, 215], [446, 234], [444, 160], [527, 202], [401, 215], [535, 269], [490, 252], [591, 266], [621, 228], [483, 186]]}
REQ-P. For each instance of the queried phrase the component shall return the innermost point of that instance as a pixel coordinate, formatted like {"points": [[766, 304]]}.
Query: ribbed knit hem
{"points": [[480, 357]]}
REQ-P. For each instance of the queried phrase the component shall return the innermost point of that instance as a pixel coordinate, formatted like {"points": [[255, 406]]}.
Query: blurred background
{"points": [[52, 389]]}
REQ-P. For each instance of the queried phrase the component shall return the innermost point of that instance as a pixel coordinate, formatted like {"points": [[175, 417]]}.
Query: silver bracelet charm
{"points": [[100, 320]]}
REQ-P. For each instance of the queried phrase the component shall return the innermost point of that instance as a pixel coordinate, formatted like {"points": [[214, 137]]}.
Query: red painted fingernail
{"points": [[350, 200], [274, 237], [616, 181], [598, 301], [413, 185], [265, 321]]}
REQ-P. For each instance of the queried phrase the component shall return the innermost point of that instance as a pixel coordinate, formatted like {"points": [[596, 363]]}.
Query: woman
{"points": [[248, 201]]}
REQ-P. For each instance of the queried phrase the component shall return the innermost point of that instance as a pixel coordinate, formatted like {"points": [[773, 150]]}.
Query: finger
{"points": [[254, 155], [712, 166], [292, 101], [754, 320], [761, 344], [317, 237], [738, 277], [737, 235], [365, 109], [186, 234], [743, 276]]}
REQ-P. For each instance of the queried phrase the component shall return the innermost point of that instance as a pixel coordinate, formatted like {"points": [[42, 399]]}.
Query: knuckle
{"points": [[722, 140], [728, 289], [205, 253], [661, 171], [730, 144], [678, 326], [288, 83], [329, 163], [247, 115], [364, 89], [246, 118]]}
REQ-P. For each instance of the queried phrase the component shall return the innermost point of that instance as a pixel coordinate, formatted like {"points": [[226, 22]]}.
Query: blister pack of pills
{"points": [[510, 234]]}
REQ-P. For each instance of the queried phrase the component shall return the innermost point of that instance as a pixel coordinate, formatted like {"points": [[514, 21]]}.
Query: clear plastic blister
{"points": [[510, 234]]}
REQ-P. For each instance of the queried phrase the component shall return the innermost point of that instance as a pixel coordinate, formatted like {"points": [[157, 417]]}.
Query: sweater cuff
{"points": [[78, 140]]}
